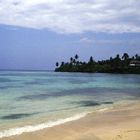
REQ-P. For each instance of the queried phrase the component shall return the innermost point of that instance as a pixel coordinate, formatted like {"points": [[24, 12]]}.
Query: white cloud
{"points": [[73, 16], [109, 42], [86, 40]]}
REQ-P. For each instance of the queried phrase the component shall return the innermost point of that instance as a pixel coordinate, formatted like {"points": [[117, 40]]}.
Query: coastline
{"points": [[119, 122]]}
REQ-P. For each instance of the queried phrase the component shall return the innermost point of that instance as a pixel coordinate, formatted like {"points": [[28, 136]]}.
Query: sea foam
{"points": [[104, 109], [32, 128]]}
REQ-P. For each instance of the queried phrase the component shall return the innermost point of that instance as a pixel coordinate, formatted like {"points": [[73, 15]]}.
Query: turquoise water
{"points": [[32, 98]]}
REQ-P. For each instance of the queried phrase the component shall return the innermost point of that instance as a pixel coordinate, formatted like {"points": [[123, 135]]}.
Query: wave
{"points": [[32, 128], [104, 109]]}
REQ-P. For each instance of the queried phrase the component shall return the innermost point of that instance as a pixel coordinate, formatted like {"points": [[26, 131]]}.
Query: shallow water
{"points": [[33, 98]]}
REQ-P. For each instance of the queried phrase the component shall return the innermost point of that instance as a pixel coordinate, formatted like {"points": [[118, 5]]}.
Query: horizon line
{"points": [[24, 70]]}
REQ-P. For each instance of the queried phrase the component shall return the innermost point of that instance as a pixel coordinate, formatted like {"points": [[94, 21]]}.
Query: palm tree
{"points": [[76, 56], [111, 58], [133, 57], [71, 59], [136, 56], [117, 61], [118, 56], [57, 64], [62, 64], [125, 56], [77, 63], [74, 61], [91, 61]]}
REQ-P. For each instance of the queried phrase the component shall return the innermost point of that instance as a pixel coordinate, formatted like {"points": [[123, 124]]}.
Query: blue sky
{"points": [[34, 34]]}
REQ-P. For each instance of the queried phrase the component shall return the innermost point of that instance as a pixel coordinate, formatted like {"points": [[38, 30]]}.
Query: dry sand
{"points": [[119, 123]]}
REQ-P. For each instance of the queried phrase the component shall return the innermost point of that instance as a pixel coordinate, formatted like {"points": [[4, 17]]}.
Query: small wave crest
{"points": [[32, 128], [104, 109]]}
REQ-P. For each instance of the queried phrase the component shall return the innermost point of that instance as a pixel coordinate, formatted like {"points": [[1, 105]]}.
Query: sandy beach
{"points": [[118, 123]]}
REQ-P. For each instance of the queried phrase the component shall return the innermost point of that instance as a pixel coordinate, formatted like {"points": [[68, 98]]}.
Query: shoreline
{"points": [[98, 125], [41, 126], [38, 127]]}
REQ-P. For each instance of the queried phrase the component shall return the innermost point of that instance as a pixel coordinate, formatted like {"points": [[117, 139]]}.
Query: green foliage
{"points": [[112, 65]]}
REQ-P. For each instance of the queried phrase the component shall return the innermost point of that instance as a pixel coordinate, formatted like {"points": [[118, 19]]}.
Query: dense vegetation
{"points": [[123, 64]]}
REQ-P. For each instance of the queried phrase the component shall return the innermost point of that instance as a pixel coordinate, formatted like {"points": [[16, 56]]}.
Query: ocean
{"points": [[34, 100]]}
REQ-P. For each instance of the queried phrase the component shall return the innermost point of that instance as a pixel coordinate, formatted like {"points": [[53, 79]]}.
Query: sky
{"points": [[35, 34]]}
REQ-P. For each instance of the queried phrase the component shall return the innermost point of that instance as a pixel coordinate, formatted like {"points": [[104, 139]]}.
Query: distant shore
{"points": [[122, 65], [120, 122]]}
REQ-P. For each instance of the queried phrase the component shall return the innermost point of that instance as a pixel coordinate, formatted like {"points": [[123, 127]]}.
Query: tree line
{"points": [[118, 64]]}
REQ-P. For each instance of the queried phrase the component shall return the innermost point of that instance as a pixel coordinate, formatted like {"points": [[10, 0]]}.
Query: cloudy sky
{"points": [[34, 34]]}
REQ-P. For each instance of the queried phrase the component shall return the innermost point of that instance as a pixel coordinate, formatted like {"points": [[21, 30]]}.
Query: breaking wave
{"points": [[32, 128]]}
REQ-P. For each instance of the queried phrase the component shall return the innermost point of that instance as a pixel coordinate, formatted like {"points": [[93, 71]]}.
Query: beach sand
{"points": [[118, 123]]}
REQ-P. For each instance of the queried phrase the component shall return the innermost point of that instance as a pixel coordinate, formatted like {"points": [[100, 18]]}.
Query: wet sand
{"points": [[118, 123]]}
